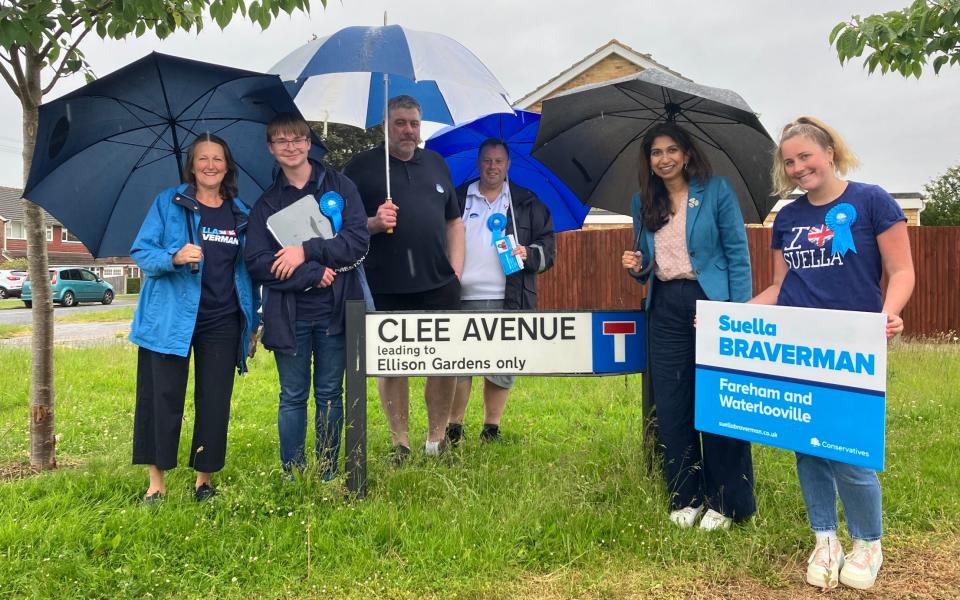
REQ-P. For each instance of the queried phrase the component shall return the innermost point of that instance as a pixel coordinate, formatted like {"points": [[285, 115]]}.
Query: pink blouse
{"points": [[670, 249]]}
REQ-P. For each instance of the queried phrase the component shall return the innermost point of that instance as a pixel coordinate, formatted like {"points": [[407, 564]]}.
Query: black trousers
{"points": [[161, 390], [698, 467]]}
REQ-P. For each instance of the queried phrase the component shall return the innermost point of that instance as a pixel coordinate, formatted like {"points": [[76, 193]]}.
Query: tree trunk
{"points": [[43, 441]]}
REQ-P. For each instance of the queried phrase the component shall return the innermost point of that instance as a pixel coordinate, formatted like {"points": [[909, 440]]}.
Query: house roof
{"points": [[11, 208], [613, 47]]}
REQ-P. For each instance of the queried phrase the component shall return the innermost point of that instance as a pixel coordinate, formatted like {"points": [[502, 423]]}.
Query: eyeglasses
{"points": [[300, 142]]}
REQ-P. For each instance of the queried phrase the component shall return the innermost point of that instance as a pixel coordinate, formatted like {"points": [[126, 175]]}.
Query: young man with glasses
{"points": [[305, 288]]}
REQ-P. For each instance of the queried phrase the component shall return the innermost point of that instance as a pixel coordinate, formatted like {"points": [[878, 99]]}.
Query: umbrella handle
{"points": [[390, 202], [636, 248]]}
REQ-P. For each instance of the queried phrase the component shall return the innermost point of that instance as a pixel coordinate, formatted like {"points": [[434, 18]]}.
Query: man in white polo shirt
{"points": [[484, 286]]}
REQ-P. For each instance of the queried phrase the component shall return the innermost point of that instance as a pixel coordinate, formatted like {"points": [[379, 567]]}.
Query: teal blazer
{"points": [[716, 241]]}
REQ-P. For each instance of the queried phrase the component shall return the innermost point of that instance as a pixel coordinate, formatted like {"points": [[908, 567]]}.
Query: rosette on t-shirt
{"points": [[331, 205], [840, 220]]}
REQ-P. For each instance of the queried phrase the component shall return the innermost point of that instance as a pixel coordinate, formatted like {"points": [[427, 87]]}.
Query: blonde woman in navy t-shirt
{"points": [[831, 247]]}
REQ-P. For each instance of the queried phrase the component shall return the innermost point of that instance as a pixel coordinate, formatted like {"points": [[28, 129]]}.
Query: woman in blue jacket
{"points": [[690, 234], [197, 295]]}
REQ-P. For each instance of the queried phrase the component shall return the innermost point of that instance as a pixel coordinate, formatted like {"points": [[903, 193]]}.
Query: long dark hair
{"points": [[656, 208], [228, 187]]}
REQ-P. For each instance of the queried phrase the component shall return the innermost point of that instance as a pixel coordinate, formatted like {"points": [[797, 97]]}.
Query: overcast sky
{"points": [[774, 54]]}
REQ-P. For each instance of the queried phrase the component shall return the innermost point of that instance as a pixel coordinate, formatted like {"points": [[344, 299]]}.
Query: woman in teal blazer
{"points": [[690, 237]]}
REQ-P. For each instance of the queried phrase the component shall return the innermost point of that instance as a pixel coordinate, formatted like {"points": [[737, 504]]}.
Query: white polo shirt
{"points": [[483, 277]]}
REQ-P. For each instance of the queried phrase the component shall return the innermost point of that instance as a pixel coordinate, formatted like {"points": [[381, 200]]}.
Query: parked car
{"points": [[11, 282], [72, 285]]}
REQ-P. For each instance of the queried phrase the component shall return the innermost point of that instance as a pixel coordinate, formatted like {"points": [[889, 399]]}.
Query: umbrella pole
{"points": [[386, 131]]}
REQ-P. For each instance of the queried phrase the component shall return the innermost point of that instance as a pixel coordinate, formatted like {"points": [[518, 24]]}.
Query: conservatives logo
{"points": [[618, 342]]}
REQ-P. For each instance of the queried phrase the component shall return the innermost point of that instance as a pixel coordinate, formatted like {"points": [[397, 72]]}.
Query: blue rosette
{"points": [[496, 224], [840, 220], [331, 205]]}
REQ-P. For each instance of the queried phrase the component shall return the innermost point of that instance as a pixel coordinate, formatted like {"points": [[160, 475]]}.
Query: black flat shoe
{"points": [[204, 493], [152, 499]]}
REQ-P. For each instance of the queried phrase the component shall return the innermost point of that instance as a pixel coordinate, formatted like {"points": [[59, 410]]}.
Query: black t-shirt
{"points": [[413, 258], [315, 304], [220, 244]]}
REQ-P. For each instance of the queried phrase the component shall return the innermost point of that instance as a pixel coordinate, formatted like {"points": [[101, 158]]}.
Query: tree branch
{"points": [[10, 81], [18, 70], [61, 70], [74, 22]]}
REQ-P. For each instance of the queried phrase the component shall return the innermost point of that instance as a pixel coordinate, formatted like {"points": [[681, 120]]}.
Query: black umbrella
{"points": [[105, 150], [590, 137]]}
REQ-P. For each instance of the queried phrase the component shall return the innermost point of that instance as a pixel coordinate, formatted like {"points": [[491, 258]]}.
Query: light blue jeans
{"points": [[328, 357], [821, 480]]}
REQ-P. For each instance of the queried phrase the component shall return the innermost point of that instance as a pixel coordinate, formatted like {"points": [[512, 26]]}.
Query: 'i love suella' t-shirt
{"points": [[831, 251]]}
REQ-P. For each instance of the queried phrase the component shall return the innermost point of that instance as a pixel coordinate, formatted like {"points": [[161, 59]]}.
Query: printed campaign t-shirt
{"points": [[831, 251], [220, 244]]}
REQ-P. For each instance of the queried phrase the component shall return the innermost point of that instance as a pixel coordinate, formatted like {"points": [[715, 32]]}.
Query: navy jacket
{"points": [[716, 241], [344, 250], [535, 231], [170, 298]]}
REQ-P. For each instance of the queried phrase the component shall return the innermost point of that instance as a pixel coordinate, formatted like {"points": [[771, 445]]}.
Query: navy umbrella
{"points": [[460, 146], [591, 137], [104, 151]]}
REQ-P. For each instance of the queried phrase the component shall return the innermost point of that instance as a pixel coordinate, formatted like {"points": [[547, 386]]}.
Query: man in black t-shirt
{"points": [[416, 254]]}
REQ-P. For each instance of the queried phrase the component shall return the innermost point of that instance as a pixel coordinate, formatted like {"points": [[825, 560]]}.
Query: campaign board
{"points": [[804, 379]]}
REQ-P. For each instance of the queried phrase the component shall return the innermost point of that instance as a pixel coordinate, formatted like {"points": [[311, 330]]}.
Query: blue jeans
{"points": [[859, 489], [329, 360]]}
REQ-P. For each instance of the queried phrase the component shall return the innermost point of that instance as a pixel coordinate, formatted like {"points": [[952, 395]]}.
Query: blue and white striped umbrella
{"points": [[339, 78]]}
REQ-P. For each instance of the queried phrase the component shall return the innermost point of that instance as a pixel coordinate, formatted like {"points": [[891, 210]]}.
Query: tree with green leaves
{"points": [[40, 44], [343, 141], [942, 199], [903, 41]]}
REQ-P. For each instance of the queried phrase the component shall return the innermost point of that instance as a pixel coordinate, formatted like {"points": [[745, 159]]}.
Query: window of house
{"points": [[66, 236], [113, 271], [49, 233], [15, 230]]}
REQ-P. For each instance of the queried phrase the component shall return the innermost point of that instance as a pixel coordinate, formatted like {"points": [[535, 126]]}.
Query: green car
{"points": [[71, 285]]}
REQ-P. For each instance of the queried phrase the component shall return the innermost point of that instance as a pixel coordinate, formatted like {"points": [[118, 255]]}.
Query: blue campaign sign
{"points": [[619, 342], [812, 381]]}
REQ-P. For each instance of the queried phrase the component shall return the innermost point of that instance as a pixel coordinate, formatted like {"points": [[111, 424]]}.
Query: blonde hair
{"points": [[824, 136]]}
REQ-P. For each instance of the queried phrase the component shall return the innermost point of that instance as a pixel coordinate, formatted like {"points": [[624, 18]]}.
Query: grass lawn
{"points": [[9, 331], [122, 313], [561, 508]]}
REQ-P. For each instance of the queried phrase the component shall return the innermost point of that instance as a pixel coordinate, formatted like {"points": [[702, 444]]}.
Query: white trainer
{"points": [[824, 564], [713, 520], [686, 517], [862, 565]]}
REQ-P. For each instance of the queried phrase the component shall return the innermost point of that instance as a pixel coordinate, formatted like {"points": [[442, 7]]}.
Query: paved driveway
{"points": [[24, 316]]}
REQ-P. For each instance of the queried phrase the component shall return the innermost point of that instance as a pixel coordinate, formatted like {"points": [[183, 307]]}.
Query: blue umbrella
{"points": [[104, 151], [340, 78], [460, 145]]}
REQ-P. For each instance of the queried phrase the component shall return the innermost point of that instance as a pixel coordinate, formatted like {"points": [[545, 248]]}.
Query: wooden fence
{"points": [[588, 275]]}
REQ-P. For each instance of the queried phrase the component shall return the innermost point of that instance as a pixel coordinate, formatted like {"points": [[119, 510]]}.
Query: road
{"points": [[24, 316]]}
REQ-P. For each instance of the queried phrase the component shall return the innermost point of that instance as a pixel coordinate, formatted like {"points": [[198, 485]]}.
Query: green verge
{"points": [[123, 313], [563, 507], [9, 331]]}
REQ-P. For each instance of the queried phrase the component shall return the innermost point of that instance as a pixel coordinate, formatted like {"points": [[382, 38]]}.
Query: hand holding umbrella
{"points": [[386, 217]]}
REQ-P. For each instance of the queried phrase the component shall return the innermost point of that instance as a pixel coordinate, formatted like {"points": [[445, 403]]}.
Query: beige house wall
{"points": [[611, 67]]}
